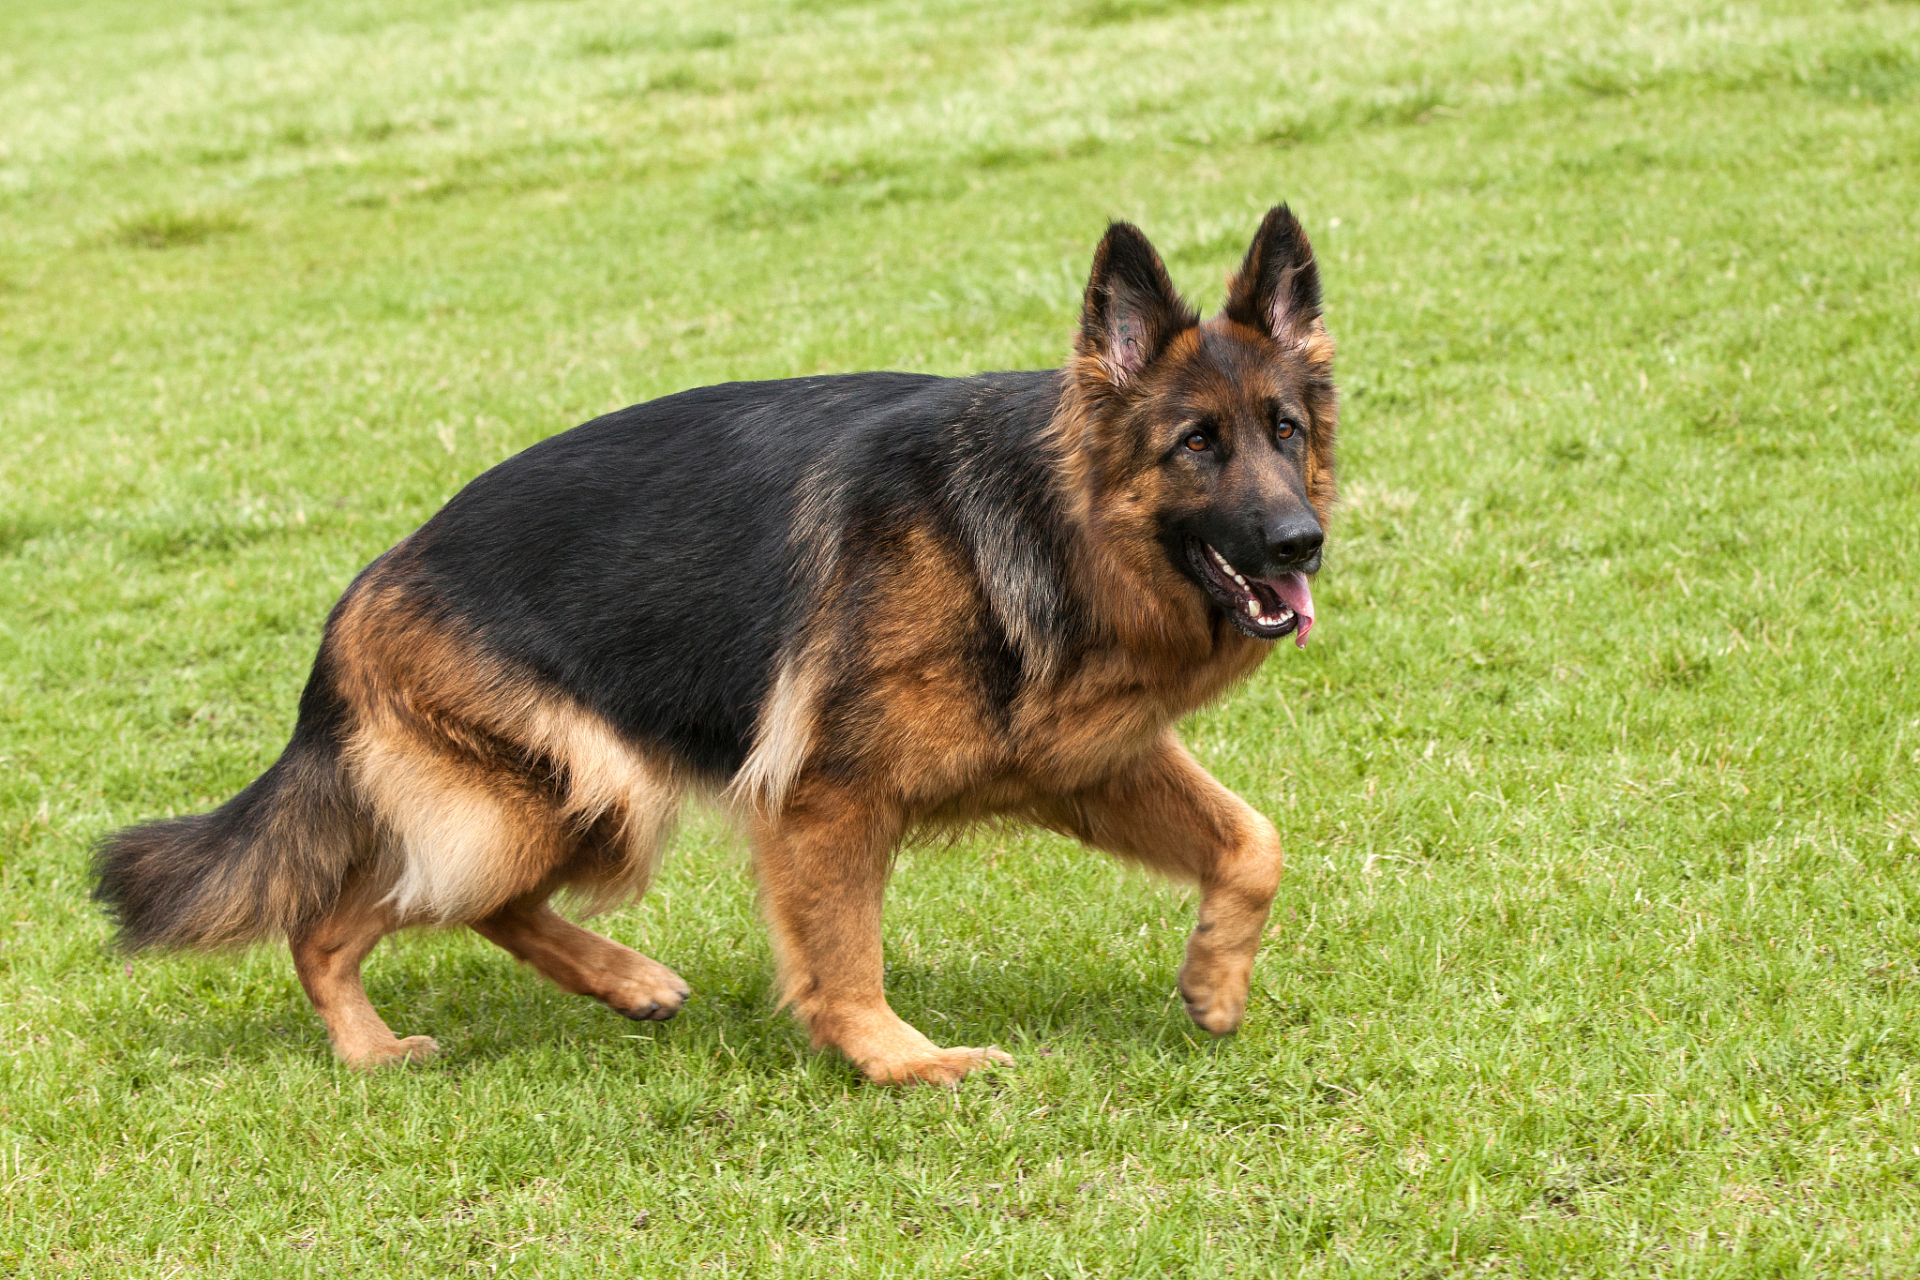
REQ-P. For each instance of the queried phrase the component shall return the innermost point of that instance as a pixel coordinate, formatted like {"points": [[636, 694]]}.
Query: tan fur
{"points": [[1090, 751], [782, 738], [477, 790], [822, 871], [584, 963], [327, 957], [1169, 813], [484, 793], [441, 752]]}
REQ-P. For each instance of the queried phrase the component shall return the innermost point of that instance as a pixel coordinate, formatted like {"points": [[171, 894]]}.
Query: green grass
{"points": [[1598, 954]]}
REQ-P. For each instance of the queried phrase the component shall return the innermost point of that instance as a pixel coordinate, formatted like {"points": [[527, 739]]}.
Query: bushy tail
{"points": [[268, 861]]}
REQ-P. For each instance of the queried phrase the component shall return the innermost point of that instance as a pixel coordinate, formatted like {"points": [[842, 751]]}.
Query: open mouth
{"points": [[1264, 608]]}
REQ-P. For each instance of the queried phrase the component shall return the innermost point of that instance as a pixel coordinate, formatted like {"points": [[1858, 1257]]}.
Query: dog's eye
{"points": [[1286, 428], [1197, 442]]}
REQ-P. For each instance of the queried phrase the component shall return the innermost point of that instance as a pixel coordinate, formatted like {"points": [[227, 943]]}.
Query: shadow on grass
{"points": [[486, 1009]]}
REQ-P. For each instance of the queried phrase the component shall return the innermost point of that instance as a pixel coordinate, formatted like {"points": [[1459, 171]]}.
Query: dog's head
{"points": [[1212, 442]]}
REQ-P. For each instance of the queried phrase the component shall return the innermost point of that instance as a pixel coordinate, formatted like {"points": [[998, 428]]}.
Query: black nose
{"points": [[1293, 538]]}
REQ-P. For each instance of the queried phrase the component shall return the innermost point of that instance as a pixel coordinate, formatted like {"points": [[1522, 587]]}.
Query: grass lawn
{"points": [[1599, 952]]}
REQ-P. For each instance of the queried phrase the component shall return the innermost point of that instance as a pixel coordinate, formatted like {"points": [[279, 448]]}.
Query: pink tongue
{"points": [[1297, 596]]}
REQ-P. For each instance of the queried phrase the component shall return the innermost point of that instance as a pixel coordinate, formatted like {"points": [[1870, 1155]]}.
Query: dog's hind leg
{"points": [[584, 963], [327, 956], [1169, 813], [823, 870]]}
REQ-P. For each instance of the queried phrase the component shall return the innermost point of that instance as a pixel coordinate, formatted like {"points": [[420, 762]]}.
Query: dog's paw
{"points": [[1218, 1008], [655, 1010], [394, 1053], [942, 1066], [652, 995]]}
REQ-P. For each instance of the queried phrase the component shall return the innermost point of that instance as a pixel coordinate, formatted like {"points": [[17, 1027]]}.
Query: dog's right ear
{"points": [[1277, 289], [1131, 310]]}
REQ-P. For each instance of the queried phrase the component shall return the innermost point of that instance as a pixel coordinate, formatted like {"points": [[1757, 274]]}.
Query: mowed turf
{"points": [[1597, 955]]}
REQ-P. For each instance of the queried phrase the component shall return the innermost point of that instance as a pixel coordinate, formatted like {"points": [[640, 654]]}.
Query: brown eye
{"points": [[1196, 442], [1286, 428]]}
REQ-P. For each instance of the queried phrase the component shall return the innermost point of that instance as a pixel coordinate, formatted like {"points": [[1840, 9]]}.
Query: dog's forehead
{"points": [[1230, 367]]}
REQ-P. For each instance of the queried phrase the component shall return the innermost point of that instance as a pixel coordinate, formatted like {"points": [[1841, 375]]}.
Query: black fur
{"points": [[642, 562], [1131, 310], [1279, 278], [263, 862], [656, 564], [646, 564]]}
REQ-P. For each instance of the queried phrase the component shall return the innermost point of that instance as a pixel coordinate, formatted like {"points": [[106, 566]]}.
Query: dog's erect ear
{"points": [[1277, 290], [1131, 310]]}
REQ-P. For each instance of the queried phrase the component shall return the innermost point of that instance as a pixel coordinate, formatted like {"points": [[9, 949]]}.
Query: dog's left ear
{"points": [[1277, 289], [1131, 311]]}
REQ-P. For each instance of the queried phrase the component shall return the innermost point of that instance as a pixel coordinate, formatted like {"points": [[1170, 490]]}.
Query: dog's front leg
{"points": [[1171, 814], [823, 871]]}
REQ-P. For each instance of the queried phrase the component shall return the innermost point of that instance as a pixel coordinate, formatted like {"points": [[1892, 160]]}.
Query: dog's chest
{"points": [[1112, 710]]}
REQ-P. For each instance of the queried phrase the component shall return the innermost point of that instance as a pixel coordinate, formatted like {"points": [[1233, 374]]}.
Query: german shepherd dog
{"points": [[852, 608]]}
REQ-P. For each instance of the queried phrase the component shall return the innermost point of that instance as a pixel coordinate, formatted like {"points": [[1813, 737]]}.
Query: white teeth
{"points": [[1253, 604], [1230, 570]]}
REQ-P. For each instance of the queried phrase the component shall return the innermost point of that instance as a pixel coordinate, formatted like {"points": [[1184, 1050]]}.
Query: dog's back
{"points": [[651, 562]]}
